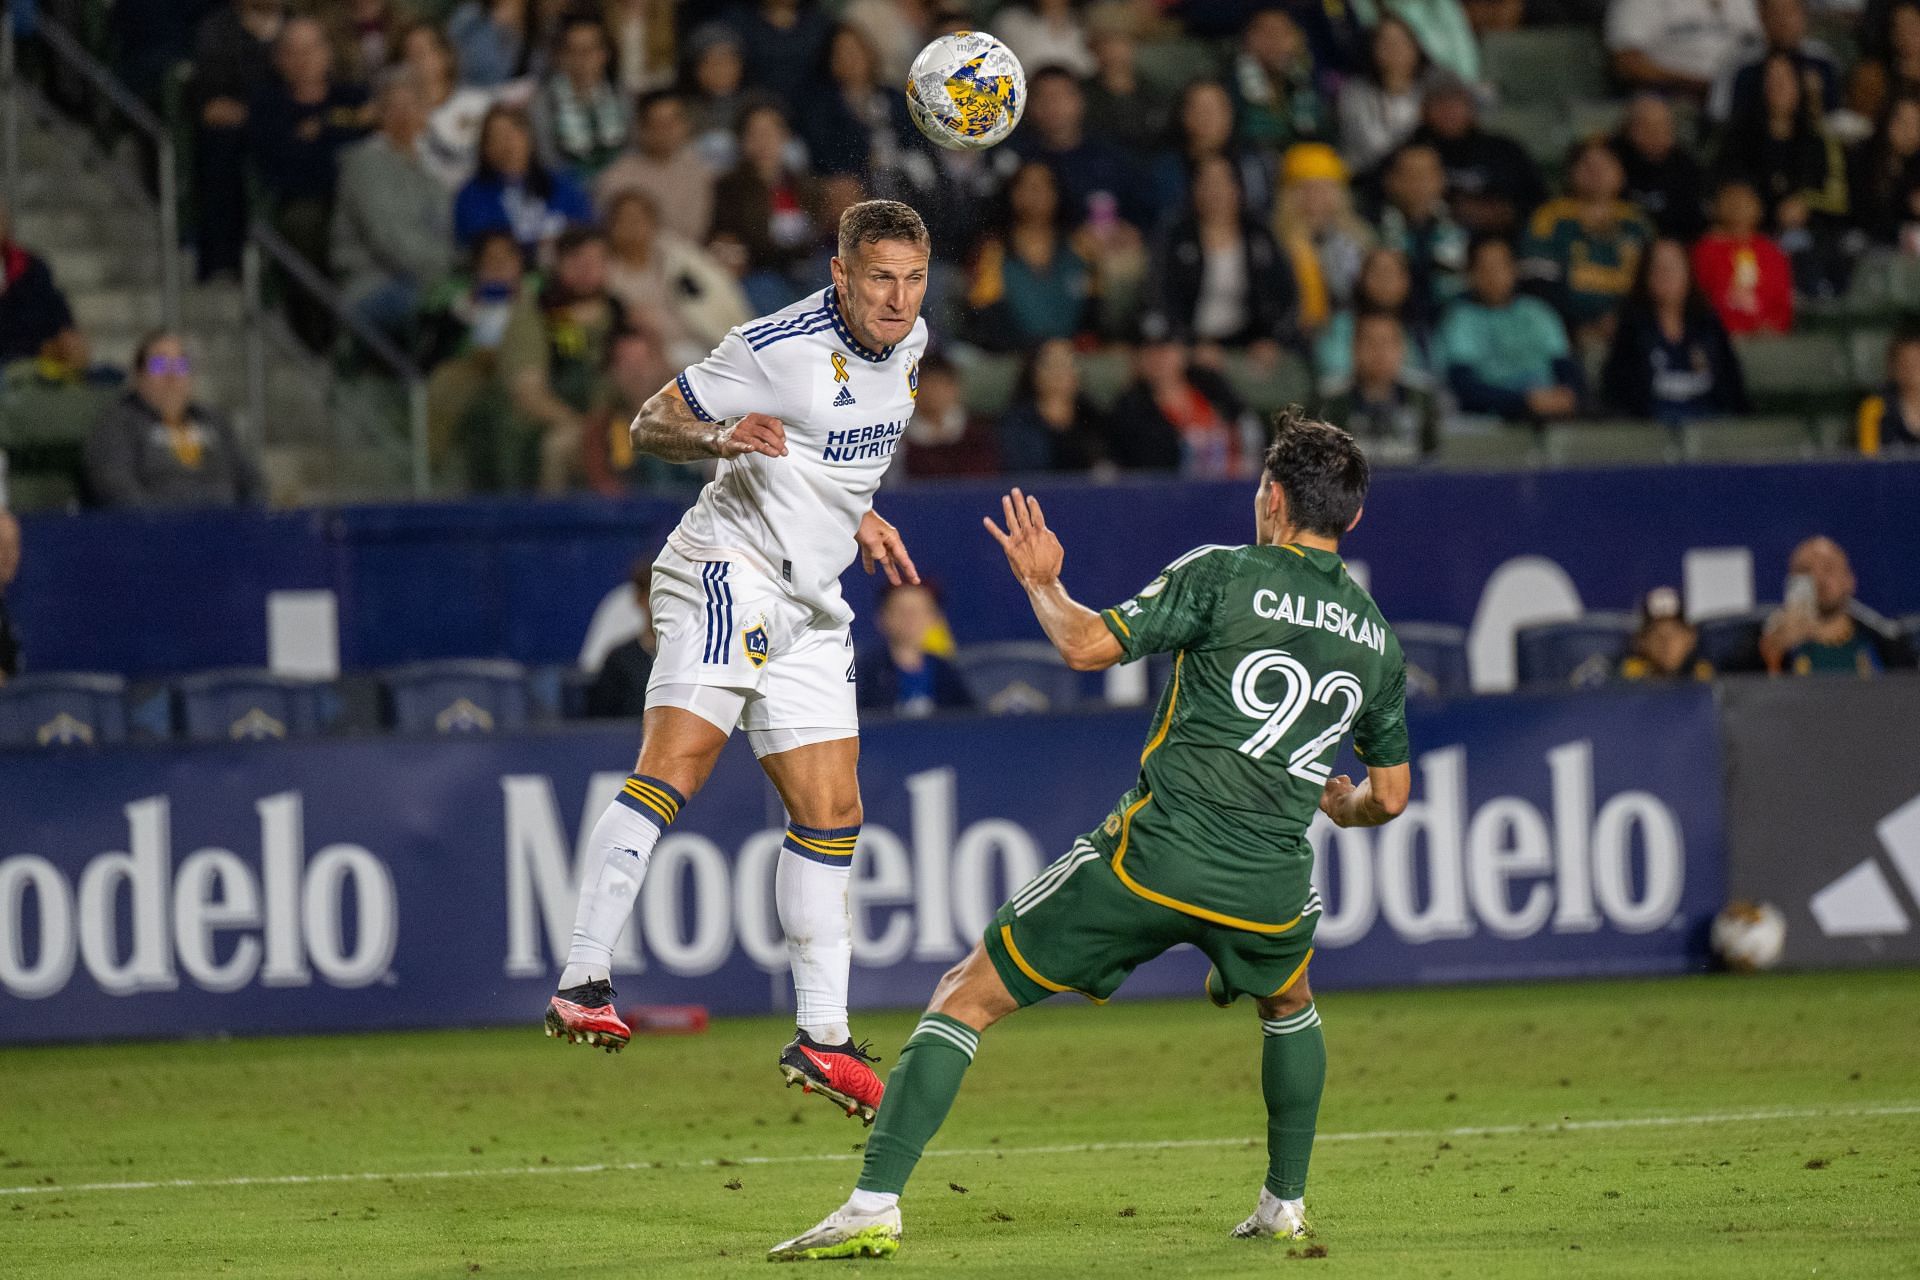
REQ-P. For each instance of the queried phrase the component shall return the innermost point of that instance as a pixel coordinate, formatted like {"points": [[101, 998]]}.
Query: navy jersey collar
{"points": [[845, 334]]}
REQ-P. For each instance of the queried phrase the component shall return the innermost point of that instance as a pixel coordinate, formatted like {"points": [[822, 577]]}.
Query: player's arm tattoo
{"points": [[667, 428]]}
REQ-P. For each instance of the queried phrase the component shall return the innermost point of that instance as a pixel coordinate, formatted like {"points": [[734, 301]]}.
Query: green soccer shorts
{"points": [[1075, 927]]}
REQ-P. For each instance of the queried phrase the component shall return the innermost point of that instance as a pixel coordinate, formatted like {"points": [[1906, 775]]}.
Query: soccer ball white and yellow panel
{"points": [[966, 91]]}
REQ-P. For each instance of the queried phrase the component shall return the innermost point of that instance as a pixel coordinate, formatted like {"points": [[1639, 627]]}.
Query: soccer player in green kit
{"points": [[1278, 655]]}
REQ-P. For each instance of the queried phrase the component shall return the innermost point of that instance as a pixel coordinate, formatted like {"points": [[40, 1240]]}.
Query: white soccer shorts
{"points": [[723, 627]]}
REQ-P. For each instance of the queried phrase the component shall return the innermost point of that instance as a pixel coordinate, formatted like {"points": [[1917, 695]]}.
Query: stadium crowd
{"points": [[554, 204]]}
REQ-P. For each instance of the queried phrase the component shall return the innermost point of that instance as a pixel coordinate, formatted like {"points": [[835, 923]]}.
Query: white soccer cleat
{"points": [[844, 1234], [1274, 1219]]}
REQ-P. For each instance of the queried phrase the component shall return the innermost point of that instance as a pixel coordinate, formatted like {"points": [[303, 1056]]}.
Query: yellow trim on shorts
{"points": [[1294, 976], [1184, 908], [1020, 961], [1173, 697]]}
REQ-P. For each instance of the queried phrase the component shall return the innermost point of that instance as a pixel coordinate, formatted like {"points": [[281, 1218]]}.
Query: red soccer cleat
{"points": [[584, 1015], [839, 1072]]}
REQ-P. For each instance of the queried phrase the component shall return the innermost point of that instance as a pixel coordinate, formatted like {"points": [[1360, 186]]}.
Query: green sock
{"points": [[920, 1091], [1293, 1071]]}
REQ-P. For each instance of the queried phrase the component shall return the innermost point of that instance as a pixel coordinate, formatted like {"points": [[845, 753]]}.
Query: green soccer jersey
{"points": [[1278, 655]]}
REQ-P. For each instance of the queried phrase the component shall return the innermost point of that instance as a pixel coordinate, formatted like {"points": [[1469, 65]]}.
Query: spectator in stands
{"points": [[666, 166], [580, 120], [903, 677], [715, 97], [782, 42], [9, 570], [641, 35], [1822, 629], [1889, 419], [1894, 72], [1671, 358], [1203, 128], [1679, 46], [232, 61], [1662, 177], [1418, 222], [942, 438], [1097, 179], [1505, 353], [64, 363], [1276, 95], [1380, 108], [669, 284], [553, 361], [1665, 646], [392, 237], [460, 332], [32, 308], [637, 367], [1120, 109], [1583, 248], [897, 30], [1385, 287], [619, 688], [861, 127], [1798, 168], [1029, 283], [1492, 184], [1393, 413], [512, 191], [1046, 33], [158, 447], [1741, 270], [1318, 230], [455, 112], [1179, 416], [151, 39], [297, 125], [1219, 278], [766, 212], [498, 40], [365, 36], [1444, 33], [1051, 425], [1783, 30], [1884, 179]]}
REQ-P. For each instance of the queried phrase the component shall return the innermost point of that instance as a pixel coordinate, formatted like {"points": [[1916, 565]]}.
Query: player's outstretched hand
{"points": [[1333, 798], [755, 433], [880, 544], [1033, 552]]}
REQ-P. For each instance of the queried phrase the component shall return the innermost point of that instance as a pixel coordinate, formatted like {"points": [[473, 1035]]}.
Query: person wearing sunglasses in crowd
{"points": [[158, 448]]}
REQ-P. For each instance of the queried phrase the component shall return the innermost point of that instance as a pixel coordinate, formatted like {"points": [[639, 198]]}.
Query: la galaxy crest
{"points": [[913, 378], [754, 640]]}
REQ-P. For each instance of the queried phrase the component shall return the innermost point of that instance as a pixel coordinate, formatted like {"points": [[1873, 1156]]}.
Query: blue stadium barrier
{"points": [[1436, 659], [1019, 677], [63, 709], [460, 696], [1584, 652], [249, 705], [1732, 643]]}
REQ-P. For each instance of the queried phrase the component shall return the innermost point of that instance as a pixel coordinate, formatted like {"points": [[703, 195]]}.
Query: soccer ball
{"points": [[1749, 935], [966, 91]]}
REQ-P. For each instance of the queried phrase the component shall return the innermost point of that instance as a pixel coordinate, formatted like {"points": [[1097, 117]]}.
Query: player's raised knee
{"points": [[1287, 1002]]}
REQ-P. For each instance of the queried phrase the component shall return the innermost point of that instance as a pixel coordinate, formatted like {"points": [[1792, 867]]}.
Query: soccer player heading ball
{"points": [[1279, 653], [752, 629]]}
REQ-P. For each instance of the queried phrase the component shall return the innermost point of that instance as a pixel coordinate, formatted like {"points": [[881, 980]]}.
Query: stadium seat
{"points": [[63, 709], [1487, 446], [1104, 376], [1018, 677], [1544, 129], [1268, 390], [1436, 659], [43, 432], [1584, 651], [246, 704], [1621, 443], [1867, 357], [1796, 372], [988, 381], [1745, 439], [1732, 643], [1545, 64], [1167, 66], [459, 696]]}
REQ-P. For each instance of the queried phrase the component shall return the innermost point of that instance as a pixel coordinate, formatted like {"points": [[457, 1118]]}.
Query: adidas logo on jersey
{"points": [[844, 398]]}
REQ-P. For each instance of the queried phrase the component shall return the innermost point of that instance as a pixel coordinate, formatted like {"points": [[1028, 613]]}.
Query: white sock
{"points": [[617, 855], [1272, 1205], [868, 1203], [810, 890]]}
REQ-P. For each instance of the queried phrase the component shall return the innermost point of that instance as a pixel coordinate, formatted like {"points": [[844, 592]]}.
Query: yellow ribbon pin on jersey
{"points": [[839, 367]]}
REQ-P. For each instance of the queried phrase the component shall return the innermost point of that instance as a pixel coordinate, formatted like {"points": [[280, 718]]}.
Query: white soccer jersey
{"points": [[845, 409]]}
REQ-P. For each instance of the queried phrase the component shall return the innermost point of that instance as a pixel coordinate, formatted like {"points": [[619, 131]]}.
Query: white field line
{"points": [[1076, 1148]]}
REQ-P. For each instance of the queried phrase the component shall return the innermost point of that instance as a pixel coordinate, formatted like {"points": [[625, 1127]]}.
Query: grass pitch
{"points": [[1701, 1127]]}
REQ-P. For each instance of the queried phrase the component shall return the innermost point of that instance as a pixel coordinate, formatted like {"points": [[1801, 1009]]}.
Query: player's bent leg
{"points": [[816, 772], [1293, 1072], [920, 1092], [678, 755]]}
